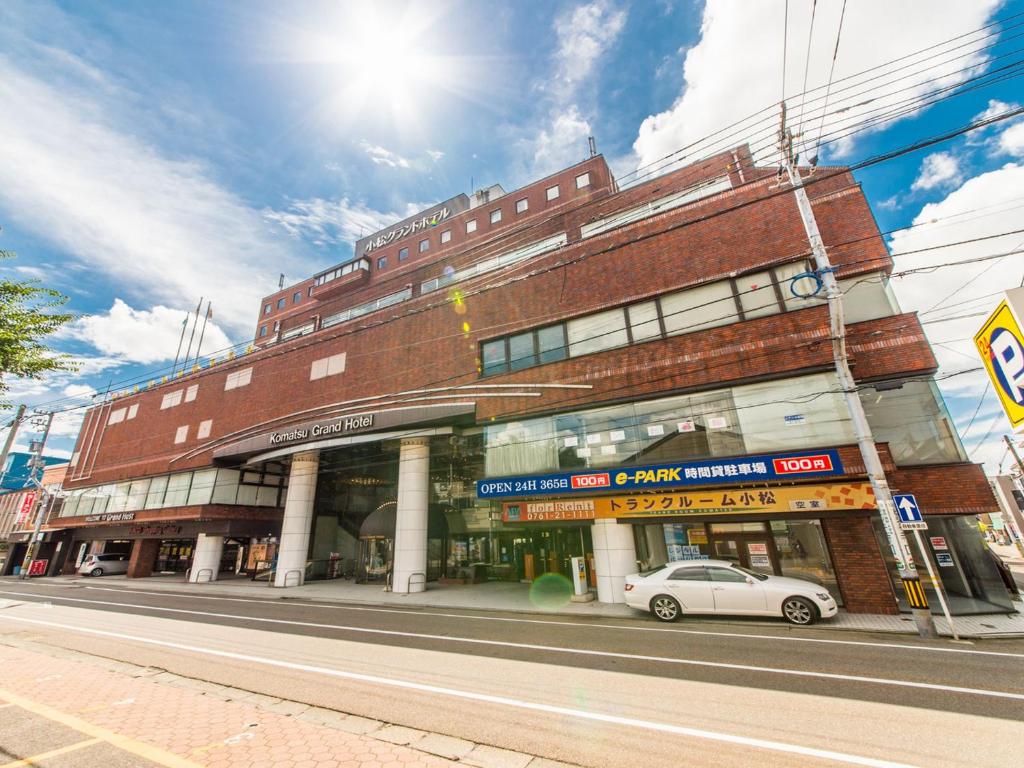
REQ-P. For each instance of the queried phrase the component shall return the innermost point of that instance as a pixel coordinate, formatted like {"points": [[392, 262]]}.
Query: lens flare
{"points": [[551, 591]]}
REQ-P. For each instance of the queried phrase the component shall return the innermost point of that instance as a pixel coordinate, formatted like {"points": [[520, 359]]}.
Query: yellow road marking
{"points": [[147, 751], [34, 760]]}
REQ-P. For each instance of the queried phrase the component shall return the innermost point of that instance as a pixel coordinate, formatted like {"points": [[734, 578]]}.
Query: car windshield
{"points": [[755, 574]]}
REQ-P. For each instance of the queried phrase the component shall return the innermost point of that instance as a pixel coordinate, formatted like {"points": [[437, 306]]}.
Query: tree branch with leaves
{"points": [[28, 315]]}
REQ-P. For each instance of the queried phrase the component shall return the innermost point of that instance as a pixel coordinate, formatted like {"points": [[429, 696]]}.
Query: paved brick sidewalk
{"points": [[174, 726]]}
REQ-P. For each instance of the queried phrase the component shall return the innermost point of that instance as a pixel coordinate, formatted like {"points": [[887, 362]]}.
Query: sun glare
{"points": [[378, 57]]}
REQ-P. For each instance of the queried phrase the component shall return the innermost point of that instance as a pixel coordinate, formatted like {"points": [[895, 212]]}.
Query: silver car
{"points": [[104, 565]]}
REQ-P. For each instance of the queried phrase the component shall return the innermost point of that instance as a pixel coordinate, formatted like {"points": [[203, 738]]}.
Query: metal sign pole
{"points": [[938, 584]]}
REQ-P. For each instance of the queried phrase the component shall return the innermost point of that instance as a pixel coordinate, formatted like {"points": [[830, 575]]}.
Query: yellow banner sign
{"points": [[1000, 344], [727, 501]]}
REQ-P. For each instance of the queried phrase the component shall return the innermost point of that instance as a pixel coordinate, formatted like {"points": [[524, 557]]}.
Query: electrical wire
{"points": [[828, 88]]}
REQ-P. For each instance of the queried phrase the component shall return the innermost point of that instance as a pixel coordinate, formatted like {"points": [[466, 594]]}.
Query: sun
{"points": [[378, 58]]}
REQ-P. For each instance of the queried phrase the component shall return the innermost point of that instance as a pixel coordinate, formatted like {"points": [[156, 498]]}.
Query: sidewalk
{"points": [[518, 598], [66, 709]]}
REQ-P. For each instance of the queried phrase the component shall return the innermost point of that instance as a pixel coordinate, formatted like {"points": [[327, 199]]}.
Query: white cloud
{"points": [[562, 143], [145, 336], [722, 87], [160, 228], [1011, 140], [435, 154], [584, 34], [330, 222], [937, 170], [382, 156], [952, 301]]}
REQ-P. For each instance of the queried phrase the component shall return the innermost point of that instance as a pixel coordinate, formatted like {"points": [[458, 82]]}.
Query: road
{"points": [[588, 692]]}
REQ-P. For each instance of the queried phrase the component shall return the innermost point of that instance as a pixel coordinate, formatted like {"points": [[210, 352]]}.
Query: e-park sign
{"points": [[688, 473]]}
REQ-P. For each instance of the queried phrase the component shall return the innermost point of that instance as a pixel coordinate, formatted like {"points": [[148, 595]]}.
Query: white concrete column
{"points": [[293, 548], [206, 558], [410, 558], [614, 559]]}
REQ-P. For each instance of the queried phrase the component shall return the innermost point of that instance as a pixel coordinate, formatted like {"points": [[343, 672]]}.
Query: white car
{"points": [[718, 586]]}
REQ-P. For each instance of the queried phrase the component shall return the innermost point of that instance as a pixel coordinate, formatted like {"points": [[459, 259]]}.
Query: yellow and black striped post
{"points": [[915, 593]]}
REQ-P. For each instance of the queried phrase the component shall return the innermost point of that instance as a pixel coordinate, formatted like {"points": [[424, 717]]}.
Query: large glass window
{"points": [[177, 490], [155, 495], [809, 411], [226, 487], [694, 309], [137, 495], [605, 330], [201, 489], [911, 417]]}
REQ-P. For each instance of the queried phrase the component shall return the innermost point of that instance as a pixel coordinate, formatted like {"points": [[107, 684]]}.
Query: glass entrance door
{"points": [[753, 550], [374, 559]]}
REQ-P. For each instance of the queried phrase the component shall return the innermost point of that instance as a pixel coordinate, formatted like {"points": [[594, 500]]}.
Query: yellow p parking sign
{"points": [[1001, 346]]}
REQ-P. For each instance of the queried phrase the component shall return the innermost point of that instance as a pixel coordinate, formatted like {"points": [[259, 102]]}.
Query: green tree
{"points": [[27, 316]]}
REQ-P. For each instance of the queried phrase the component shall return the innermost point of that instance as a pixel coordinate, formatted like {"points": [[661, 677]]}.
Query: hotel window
{"points": [[583, 180], [522, 205], [116, 417], [190, 393], [523, 350], [605, 330], [471, 226], [327, 366], [694, 309], [267, 309], [496, 216], [552, 193], [297, 297], [403, 254], [263, 331], [281, 302], [757, 295], [446, 236], [133, 410], [204, 429], [238, 379], [171, 399], [382, 262], [424, 246], [181, 435], [309, 291]]}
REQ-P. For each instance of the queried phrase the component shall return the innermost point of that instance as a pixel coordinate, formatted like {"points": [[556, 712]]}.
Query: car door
{"points": [[690, 586], [735, 592]]}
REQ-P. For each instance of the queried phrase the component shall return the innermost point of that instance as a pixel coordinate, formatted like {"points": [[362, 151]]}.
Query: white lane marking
{"points": [[573, 651], [680, 730], [413, 611]]}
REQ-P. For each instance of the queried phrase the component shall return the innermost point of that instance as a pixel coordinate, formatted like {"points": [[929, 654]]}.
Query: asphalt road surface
{"points": [[592, 692]]}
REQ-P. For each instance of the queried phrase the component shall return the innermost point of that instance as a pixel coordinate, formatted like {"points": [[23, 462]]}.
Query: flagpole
{"points": [[188, 352], [181, 339], [209, 312]]}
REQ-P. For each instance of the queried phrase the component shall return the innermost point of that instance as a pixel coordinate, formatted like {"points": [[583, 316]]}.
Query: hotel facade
{"points": [[508, 381]]}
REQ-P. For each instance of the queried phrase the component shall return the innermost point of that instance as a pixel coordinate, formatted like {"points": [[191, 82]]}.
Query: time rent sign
{"points": [[681, 474]]}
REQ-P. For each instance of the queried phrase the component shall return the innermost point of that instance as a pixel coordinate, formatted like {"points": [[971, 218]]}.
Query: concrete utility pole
{"points": [[10, 440], [862, 430], [1014, 514], [39, 507]]}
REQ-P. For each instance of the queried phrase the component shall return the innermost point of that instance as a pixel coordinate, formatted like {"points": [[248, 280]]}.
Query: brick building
{"points": [[510, 380]]}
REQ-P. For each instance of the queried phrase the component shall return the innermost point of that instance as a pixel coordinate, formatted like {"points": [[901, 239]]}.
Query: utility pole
{"points": [[15, 423], [1015, 515], [35, 478], [862, 430]]}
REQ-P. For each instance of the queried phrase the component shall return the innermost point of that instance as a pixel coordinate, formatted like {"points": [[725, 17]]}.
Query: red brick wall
{"points": [[957, 489], [143, 558], [859, 566]]}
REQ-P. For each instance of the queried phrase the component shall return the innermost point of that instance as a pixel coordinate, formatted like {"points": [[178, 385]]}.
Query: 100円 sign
{"points": [[687, 473]]}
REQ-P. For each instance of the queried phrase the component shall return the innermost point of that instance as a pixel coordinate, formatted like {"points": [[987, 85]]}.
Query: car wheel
{"points": [[665, 608], [799, 610], [96, 572]]}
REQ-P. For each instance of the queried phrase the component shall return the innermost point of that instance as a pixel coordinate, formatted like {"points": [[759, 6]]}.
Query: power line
{"points": [[828, 88]]}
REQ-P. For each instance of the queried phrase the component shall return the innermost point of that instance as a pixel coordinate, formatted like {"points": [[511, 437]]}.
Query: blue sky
{"points": [[153, 153]]}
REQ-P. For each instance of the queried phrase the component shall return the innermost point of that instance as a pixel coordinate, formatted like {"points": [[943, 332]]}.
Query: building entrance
{"points": [[535, 550], [174, 555], [755, 551]]}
